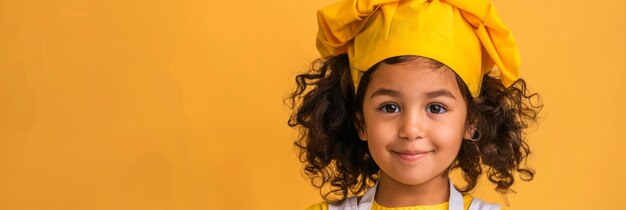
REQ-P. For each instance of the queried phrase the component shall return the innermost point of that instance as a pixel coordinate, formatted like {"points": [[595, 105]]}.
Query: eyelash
{"points": [[430, 105]]}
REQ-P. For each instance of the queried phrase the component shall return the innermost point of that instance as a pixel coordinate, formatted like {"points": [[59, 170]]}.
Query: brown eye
{"points": [[436, 108], [390, 108]]}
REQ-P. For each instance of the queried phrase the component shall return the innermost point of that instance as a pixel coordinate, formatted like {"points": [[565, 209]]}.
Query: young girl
{"points": [[403, 95]]}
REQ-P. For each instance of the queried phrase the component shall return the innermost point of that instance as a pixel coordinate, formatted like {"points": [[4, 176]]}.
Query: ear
{"points": [[468, 130], [359, 125]]}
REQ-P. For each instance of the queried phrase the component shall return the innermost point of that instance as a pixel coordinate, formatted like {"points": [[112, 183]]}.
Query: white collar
{"points": [[455, 201]]}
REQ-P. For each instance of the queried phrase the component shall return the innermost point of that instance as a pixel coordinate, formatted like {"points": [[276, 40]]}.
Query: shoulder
{"points": [[467, 200], [348, 203], [471, 203], [318, 206]]}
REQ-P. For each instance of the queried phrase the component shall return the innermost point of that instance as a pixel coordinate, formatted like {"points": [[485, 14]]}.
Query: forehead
{"points": [[414, 77]]}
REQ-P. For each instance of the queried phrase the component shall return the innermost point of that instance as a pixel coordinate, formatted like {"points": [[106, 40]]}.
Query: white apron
{"points": [[455, 201]]}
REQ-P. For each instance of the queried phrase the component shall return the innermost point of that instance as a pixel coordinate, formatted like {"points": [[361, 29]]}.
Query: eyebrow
{"points": [[438, 93], [387, 92], [395, 93]]}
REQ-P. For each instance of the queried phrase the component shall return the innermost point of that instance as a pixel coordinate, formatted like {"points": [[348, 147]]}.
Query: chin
{"points": [[412, 179]]}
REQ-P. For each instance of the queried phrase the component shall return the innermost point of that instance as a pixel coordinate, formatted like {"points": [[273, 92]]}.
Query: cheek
{"points": [[450, 134], [379, 135], [380, 130], [448, 137]]}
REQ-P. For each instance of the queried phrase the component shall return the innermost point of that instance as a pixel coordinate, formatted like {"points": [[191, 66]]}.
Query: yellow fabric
{"points": [[466, 35], [467, 200]]}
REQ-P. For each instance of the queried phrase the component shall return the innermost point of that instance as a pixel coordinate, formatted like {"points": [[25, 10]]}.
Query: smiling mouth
{"points": [[409, 156]]}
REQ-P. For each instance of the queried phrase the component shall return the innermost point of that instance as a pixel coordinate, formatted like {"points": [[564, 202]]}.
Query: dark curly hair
{"points": [[339, 163]]}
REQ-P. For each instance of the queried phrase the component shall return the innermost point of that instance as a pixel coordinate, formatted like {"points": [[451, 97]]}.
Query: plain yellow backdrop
{"points": [[177, 104]]}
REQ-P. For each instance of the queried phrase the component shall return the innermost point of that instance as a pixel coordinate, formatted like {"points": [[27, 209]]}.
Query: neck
{"points": [[391, 193]]}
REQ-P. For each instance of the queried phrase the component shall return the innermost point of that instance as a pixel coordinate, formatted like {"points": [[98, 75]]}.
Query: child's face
{"points": [[414, 120]]}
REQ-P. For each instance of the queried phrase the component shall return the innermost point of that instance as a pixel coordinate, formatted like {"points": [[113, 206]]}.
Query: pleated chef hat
{"points": [[466, 35]]}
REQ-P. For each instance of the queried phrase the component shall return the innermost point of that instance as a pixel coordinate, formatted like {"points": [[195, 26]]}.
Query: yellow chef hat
{"points": [[466, 35]]}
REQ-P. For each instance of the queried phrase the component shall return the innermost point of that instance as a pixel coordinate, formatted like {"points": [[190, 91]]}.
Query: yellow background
{"points": [[177, 104]]}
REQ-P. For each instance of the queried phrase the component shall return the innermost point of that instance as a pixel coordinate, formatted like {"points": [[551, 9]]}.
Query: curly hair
{"points": [[338, 163]]}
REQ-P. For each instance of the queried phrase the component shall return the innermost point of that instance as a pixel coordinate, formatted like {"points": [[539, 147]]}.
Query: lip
{"points": [[411, 155]]}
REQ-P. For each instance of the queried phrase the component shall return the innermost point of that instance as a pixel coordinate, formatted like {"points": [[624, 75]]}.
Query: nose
{"points": [[412, 125]]}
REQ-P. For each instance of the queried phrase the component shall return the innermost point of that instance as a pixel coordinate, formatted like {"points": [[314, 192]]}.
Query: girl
{"points": [[403, 95]]}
